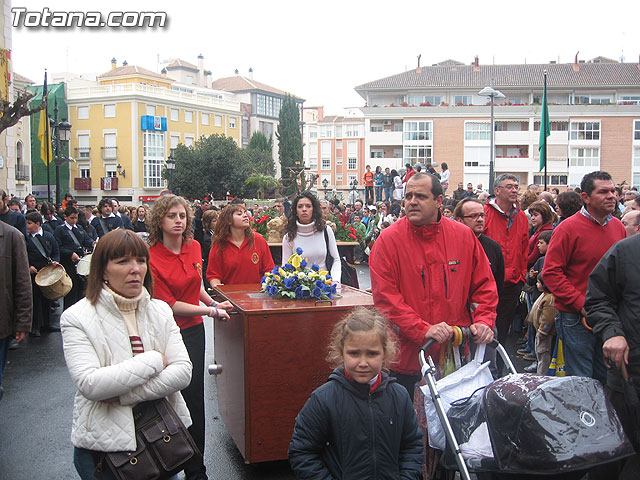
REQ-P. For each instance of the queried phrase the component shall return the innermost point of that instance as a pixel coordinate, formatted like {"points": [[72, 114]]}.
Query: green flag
{"points": [[545, 128]]}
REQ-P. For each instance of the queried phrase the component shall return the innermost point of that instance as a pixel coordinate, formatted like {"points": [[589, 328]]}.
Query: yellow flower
{"points": [[268, 274], [282, 272], [327, 282], [276, 278], [322, 272], [295, 260]]}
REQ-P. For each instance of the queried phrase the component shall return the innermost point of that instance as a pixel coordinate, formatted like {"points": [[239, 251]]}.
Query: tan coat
{"points": [[15, 283]]}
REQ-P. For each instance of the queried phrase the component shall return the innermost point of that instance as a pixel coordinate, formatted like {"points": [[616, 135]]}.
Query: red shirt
{"points": [[240, 265], [576, 247], [178, 277], [368, 179]]}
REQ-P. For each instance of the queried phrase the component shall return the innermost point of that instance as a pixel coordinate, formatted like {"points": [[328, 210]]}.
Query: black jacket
{"points": [[126, 221], [344, 432], [612, 302], [493, 250], [112, 223], [49, 246], [67, 246]]}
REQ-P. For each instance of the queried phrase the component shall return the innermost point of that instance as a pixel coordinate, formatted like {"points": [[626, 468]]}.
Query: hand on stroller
{"points": [[616, 350], [481, 333], [440, 332]]}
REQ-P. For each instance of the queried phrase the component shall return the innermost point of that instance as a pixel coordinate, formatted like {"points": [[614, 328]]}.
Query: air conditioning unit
{"points": [[387, 122]]}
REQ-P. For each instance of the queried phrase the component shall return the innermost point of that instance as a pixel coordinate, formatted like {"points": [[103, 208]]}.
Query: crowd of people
{"points": [[552, 266]]}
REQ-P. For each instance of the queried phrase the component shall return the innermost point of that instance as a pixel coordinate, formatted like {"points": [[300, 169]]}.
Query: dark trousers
{"points": [[41, 307], [78, 288], [407, 381], [194, 340], [4, 349], [368, 195], [507, 304]]}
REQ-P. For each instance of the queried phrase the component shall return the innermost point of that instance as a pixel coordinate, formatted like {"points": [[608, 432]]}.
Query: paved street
{"points": [[36, 410]]}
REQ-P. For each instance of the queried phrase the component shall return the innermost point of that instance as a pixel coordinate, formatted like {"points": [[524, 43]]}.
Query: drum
{"points": [[84, 265], [53, 281]]}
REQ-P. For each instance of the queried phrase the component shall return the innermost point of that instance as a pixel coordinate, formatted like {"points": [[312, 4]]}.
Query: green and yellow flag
{"points": [[545, 128]]}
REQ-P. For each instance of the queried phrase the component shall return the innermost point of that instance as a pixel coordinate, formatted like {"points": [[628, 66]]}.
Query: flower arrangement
{"points": [[345, 232], [296, 279]]}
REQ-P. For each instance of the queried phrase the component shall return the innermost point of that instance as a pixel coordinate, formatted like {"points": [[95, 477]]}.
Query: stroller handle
{"points": [[431, 342]]}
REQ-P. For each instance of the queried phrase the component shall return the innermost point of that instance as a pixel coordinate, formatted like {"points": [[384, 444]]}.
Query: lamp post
{"points": [[492, 94], [325, 184], [171, 166], [60, 132]]}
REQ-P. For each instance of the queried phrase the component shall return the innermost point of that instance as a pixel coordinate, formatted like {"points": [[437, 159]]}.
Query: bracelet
{"points": [[213, 303], [211, 310]]}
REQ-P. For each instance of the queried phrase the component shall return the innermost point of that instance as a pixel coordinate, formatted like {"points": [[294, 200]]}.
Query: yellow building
{"points": [[126, 124]]}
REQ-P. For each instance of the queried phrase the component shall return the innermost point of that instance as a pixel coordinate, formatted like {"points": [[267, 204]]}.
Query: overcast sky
{"points": [[321, 50]]}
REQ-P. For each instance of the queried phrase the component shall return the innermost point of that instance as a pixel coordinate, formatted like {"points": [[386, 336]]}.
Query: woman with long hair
{"points": [[378, 183], [444, 178], [398, 191], [307, 229], [542, 219], [238, 255], [122, 347], [176, 263], [138, 220]]}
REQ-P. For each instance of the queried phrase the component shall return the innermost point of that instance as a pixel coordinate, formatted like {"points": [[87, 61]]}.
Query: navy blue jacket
{"points": [[126, 221], [50, 247], [68, 246], [14, 219], [112, 223], [346, 432]]}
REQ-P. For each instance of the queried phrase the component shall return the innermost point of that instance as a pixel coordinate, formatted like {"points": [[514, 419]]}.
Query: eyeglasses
{"points": [[630, 224], [509, 187], [474, 216]]}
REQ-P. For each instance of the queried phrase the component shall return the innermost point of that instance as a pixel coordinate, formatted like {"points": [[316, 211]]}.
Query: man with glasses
{"points": [[507, 224], [631, 222]]}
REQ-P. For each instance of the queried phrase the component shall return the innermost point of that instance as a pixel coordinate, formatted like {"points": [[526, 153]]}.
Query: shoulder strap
{"points": [[328, 258], [38, 244], [75, 240]]}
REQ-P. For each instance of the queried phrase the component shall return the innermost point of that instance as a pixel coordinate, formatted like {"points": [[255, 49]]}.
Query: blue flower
{"points": [[327, 276], [289, 282], [315, 267], [306, 293], [271, 290], [264, 279], [317, 292], [334, 288], [304, 263], [275, 270], [299, 292], [326, 288], [330, 295], [319, 283], [288, 266], [299, 251]]}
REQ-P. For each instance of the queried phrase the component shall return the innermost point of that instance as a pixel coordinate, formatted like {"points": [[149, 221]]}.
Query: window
{"points": [[326, 131], [352, 155], [636, 167], [377, 128], [245, 131], [188, 116], [462, 100], [629, 100], [585, 131], [110, 171], [476, 156], [109, 150], [83, 113], [600, 100], [313, 132], [83, 146], [188, 141], [205, 119], [417, 154], [218, 120], [555, 126], [397, 127], [339, 161], [268, 105], [354, 131], [339, 148], [232, 122], [350, 178], [477, 131], [313, 155], [552, 180], [423, 100], [267, 129], [175, 114], [377, 153], [636, 129], [417, 131], [585, 157], [338, 131], [109, 111], [153, 158], [174, 140], [325, 176], [151, 110], [325, 155], [85, 172], [338, 179]]}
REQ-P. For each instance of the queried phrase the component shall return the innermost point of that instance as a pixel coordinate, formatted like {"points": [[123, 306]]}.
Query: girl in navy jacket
{"points": [[361, 423]]}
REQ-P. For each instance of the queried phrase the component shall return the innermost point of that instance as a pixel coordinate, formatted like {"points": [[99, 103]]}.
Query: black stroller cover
{"points": [[543, 425]]}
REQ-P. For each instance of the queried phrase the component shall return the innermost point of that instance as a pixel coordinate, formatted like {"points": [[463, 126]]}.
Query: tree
{"points": [[259, 161], [260, 142], [261, 182], [11, 113], [290, 140]]}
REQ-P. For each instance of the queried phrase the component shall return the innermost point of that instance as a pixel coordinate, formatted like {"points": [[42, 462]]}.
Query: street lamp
{"points": [[171, 166], [492, 94], [325, 184], [61, 132]]}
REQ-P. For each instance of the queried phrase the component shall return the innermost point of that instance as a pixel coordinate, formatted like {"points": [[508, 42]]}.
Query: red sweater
{"points": [[240, 265], [534, 253], [421, 276], [178, 277], [513, 241], [576, 246]]}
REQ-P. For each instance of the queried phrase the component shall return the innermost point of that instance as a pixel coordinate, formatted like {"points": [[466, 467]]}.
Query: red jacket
{"points": [[408, 175], [576, 247], [514, 241], [426, 275], [534, 253]]}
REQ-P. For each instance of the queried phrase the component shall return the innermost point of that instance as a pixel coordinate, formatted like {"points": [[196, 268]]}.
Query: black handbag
{"points": [[163, 445], [349, 274]]}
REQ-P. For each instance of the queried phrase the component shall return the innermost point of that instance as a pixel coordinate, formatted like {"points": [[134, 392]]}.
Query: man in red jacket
{"points": [[576, 247], [426, 271], [508, 225]]}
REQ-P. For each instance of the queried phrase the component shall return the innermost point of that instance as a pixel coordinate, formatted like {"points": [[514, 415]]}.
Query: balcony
{"points": [[384, 138], [109, 153], [23, 173], [109, 183], [82, 183], [83, 153], [512, 151]]}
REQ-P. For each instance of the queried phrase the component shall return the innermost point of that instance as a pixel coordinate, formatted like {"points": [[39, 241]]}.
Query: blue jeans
{"points": [[83, 461], [582, 349], [388, 193], [4, 349], [378, 194]]}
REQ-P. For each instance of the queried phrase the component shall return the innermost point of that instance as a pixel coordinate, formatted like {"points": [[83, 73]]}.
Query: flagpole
{"points": [[46, 133], [546, 133]]}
